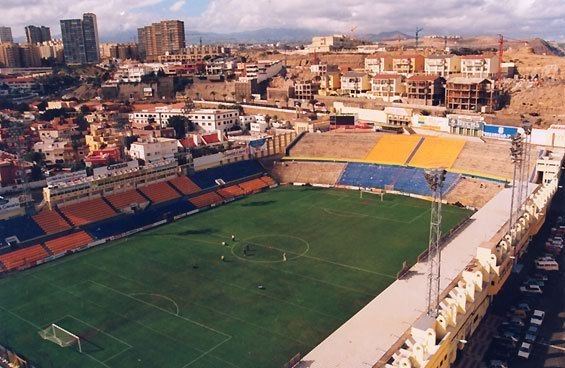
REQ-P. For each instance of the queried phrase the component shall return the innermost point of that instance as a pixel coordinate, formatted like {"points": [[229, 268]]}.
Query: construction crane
{"points": [[352, 32], [418, 30]]}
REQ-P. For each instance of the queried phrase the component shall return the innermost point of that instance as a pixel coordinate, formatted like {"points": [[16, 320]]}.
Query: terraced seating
{"points": [[404, 179], [85, 212], [51, 222], [184, 185], [159, 192], [68, 242], [231, 191], [393, 149], [207, 178], [206, 199], [268, 180], [125, 199], [139, 219], [22, 227], [337, 146], [23, 257], [253, 186], [308, 172], [437, 152]]}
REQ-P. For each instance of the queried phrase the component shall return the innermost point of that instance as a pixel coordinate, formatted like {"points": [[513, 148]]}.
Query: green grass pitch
{"points": [[164, 298]]}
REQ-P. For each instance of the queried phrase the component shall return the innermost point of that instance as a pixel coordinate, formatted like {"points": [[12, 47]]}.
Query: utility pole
{"points": [[418, 30], [435, 179], [500, 56]]}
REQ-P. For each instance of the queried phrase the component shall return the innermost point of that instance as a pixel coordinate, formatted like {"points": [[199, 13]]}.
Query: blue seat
{"points": [[238, 170], [23, 227]]}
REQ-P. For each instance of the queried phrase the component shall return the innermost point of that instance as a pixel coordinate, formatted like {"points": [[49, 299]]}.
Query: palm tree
{"points": [[224, 95], [285, 99], [213, 94], [312, 103], [232, 95], [198, 95]]}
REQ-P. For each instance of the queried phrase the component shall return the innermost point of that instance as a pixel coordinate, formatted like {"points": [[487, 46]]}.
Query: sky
{"points": [[514, 18]]}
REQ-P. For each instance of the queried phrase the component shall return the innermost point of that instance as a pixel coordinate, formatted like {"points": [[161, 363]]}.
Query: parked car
{"points": [[531, 281], [495, 363], [539, 314], [531, 334], [525, 350], [533, 289], [540, 276]]}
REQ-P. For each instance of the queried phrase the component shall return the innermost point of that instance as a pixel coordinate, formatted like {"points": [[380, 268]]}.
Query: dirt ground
{"points": [[473, 193]]}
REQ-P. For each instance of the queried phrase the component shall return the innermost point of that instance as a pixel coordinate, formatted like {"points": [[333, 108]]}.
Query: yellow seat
{"points": [[393, 149]]}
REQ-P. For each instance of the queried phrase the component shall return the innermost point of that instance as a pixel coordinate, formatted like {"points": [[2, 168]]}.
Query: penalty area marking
{"points": [[162, 297]]}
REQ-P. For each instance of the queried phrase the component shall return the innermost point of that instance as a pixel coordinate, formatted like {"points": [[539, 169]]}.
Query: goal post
{"points": [[60, 336]]}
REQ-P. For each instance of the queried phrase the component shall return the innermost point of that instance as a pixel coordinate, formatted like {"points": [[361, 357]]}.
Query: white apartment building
{"points": [[245, 121], [442, 65], [376, 64], [159, 115], [154, 150], [259, 127], [225, 66], [262, 70], [131, 73], [479, 66], [355, 83], [210, 120]]}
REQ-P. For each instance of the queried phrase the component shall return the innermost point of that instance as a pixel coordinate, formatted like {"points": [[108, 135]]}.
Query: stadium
{"points": [[315, 259]]}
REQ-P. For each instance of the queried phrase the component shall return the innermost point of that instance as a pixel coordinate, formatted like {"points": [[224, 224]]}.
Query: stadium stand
{"points": [[206, 199], [393, 149], [51, 222], [253, 185], [22, 227], [488, 159], [140, 219], [184, 185], [85, 212], [268, 180], [436, 152], [68, 242], [403, 179], [159, 192], [125, 199], [307, 172], [231, 191], [207, 178], [473, 193], [23, 257], [338, 146]]}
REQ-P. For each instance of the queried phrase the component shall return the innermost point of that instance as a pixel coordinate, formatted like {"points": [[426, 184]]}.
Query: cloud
{"points": [[177, 6], [513, 18]]}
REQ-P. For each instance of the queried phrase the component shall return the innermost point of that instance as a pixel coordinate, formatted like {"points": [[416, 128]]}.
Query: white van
{"points": [[547, 265]]}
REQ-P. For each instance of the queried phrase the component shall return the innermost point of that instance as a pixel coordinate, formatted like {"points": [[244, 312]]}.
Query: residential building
{"points": [[469, 94], [36, 34], [306, 90], [408, 64], [51, 50], [157, 114], [320, 69], [387, 86], [10, 55], [378, 63], [331, 43], [80, 40], [123, 51], [221, 66], [159, 38], [210, 120], [154, 149], [101, 135], [354, 83], [261, 70], [331, 81], [6, 35], [479, 66], [103, 157], [59, 151], [194, 53], [442, 65], [425, 89]]}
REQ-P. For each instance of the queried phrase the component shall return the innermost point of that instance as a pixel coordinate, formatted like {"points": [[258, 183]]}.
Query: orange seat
{"points": [[85, 212], [51, 222], [159, 192], [206, 199], [231, 191], [23, 257], [268, 180], [126, 199], [185, 185], [253, 185], [68, 242]]}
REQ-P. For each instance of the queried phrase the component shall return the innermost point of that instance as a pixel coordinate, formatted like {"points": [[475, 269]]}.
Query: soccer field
{"points": [[164, 298]]}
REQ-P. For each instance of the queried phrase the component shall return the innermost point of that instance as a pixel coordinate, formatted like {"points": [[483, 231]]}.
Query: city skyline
{"points": [[522, 19]]}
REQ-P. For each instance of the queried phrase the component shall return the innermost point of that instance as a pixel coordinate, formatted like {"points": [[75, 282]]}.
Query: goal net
{"points": [[60, 336]]}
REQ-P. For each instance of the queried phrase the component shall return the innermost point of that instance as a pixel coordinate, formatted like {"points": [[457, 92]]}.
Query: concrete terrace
{"points": [[367, 336]]}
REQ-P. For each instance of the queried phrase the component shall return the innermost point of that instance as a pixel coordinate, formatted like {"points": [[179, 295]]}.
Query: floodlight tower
{"points": [[435, 179], [418, 30], [527, 126], [516, 152]]}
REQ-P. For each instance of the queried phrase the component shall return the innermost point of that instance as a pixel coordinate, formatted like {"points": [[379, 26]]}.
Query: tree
{"points": [[198, 95], [232, 95], [81, 122], [313, 103], [84, 109], [224, 95], [42, 106], [213, 94], [179, 124]]}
